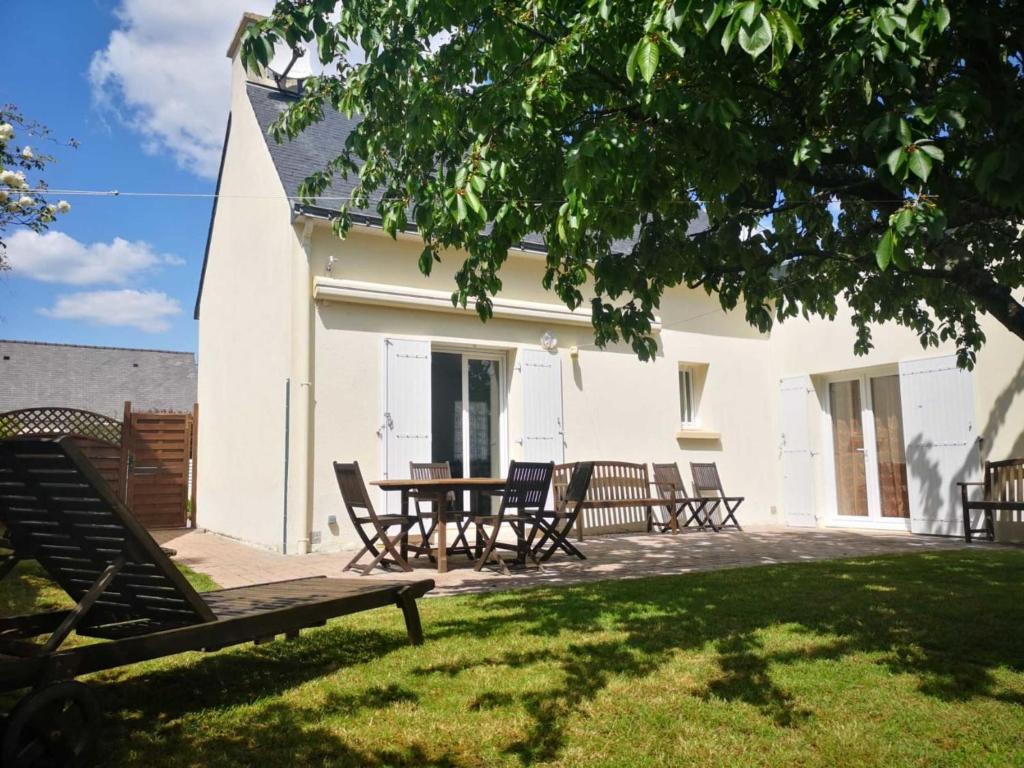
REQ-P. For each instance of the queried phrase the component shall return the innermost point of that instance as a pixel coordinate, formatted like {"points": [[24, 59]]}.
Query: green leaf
{"points": [[748, 11], [895, 159], [920, 164], [932, 151], [941, 18], [729, 34], [712, 15], [883, 254], [647, 58], [676, 48], [904, 132], [756, 41], [631, 63]]}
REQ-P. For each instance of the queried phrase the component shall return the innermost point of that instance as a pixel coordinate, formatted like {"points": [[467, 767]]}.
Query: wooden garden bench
{"points": [[1003, 492], [614, 486]]}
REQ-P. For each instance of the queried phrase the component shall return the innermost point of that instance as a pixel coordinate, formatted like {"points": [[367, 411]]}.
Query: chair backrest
{"points": [[437, 470], [1004, 480], [579, 483], [527, 485], [668, 481], [706, 479], [353, 489], [59, 510]]}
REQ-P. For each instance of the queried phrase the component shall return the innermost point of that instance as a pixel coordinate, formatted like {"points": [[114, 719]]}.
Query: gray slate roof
{"points": [[315, 147], [38, 375]]}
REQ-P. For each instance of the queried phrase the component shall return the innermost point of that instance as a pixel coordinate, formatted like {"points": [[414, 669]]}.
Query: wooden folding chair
{"points": [[522, 499], [379, 544], [706, 481], [440, 503], [670, 486], [556, 525]]}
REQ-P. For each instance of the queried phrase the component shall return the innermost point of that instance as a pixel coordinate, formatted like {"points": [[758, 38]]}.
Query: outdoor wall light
{"points": [[549, 341]]}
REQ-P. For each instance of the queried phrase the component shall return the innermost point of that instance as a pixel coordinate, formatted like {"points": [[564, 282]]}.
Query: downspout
{"points": [[287, 436], [300, 395]]}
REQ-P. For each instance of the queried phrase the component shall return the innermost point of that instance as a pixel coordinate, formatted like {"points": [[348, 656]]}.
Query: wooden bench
{"points": [[1003, 492], [614, 486]]}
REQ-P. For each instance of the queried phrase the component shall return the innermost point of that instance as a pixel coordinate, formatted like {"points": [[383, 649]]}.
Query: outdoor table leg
{"points": [[442, 537], [405, 536]]}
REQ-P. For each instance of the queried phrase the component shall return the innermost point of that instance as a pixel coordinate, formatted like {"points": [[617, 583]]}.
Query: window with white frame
{"points": [[687, 396]]}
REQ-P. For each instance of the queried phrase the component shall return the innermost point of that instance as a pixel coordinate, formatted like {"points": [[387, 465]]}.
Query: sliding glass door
{"points": [[869, 465], [467, 412]]}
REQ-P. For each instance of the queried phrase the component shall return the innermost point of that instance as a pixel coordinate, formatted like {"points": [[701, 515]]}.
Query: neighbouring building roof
{"points": [[39, 375]]}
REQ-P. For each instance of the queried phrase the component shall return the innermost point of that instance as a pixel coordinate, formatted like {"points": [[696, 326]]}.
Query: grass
{"points": [[914, 660]]}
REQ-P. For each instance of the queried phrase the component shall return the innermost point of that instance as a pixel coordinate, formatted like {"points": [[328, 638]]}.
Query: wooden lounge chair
{"points": [[371, 527], [707, 482], [521, 500], [59, 511], [556, 525], [439, 505], [671, 487]]}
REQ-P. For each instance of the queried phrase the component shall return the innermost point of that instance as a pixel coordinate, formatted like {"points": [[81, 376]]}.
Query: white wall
{"points": [[245, 341], [615, 407], [818, 347]]}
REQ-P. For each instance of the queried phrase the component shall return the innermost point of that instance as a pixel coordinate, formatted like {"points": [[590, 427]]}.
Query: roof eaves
{"points": [[213, 215]]}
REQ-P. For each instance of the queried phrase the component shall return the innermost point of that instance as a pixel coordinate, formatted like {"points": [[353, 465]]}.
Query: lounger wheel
{"points": [[53, 726]]}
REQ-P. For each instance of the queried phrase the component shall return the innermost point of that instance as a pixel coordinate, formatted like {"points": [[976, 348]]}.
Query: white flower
{"points": [[6, 132], [26, 153], [13, 207], [13, 179], [63, 206], [25, 201], [51, 209], [3, 196]]}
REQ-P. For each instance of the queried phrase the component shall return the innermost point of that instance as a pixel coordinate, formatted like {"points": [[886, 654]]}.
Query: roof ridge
{"points": [[99, 346]]}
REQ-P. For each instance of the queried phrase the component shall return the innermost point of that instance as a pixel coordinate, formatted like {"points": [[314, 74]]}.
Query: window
{"points": [[687, 398]]}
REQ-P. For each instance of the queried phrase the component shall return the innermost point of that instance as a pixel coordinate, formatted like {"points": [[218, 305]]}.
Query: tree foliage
{"points": [[867, 151], [23, 201]]}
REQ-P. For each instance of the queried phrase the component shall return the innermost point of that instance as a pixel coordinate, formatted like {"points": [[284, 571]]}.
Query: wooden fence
{"points": [[148, 458]]}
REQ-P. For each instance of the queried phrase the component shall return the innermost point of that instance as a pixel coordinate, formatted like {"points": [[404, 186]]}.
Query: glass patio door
{"points": [[467, 410], [869, 472]]}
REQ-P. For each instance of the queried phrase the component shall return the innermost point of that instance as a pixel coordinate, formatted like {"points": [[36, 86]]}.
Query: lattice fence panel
{"points": [[60, 421]]}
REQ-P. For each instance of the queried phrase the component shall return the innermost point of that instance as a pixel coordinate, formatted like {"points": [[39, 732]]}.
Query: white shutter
{"points": [[941, 441], [543, 434], [406, 418], [798, 497]]}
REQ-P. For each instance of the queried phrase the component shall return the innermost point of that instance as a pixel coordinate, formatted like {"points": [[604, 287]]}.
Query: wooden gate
{"points": [[148, 458], [159, 452]]}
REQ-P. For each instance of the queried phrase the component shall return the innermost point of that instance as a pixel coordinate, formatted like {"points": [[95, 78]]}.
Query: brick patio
{"points": [[231, 563]]}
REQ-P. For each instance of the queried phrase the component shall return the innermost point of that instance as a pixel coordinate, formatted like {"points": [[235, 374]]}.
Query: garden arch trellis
{"points": [[145, 458]]}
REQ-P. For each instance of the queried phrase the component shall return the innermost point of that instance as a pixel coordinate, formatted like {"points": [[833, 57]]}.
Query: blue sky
{"points": [[143, 86]]}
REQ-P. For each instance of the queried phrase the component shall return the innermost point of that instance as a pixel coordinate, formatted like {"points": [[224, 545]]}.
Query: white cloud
{"points": [[54, 257], [146, 310], [164, 71]]}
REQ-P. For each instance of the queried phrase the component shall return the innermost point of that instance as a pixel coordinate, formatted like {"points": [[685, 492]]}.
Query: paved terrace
{"points": [[232, 564]]}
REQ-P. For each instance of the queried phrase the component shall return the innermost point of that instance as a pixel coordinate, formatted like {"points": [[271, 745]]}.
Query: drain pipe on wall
{"points": [[287, 437]]}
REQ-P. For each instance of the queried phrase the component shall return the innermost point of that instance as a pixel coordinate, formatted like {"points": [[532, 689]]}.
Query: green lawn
{"points": [[912, 660]]}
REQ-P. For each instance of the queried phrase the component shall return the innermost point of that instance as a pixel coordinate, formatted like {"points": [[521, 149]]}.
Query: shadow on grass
{"points": [[948, 620]]}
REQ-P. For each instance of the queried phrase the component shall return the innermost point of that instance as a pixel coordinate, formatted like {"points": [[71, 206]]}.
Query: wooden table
{"points": [[432, 489]]}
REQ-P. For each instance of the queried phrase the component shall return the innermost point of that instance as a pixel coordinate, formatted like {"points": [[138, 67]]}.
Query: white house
{"points": [[314, 349]]}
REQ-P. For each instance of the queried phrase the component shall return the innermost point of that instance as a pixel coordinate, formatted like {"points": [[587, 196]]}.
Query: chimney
{"points": [[284, 72]]}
